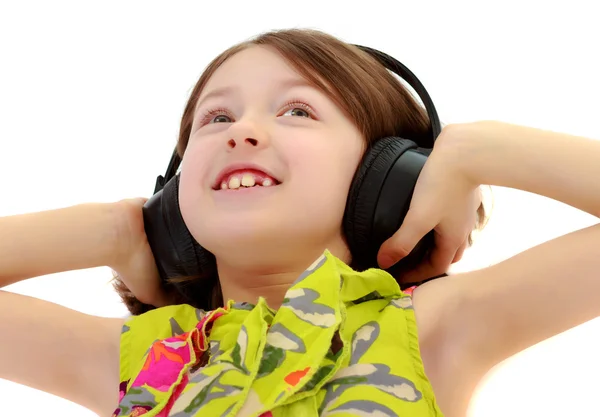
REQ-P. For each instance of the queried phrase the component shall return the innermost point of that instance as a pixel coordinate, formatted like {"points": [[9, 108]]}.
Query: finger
{"points": [[437, 263], [140, 200], [401, 243], [460, 252], [135, 200]]}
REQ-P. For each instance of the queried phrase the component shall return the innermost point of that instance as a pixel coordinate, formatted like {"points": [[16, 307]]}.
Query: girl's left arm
{"points": [[547, 289]]}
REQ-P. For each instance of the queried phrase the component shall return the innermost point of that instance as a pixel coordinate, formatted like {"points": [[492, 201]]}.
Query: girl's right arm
{"points": [[47, 346]]}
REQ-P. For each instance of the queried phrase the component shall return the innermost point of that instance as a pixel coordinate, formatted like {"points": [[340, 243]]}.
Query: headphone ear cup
{"points": [[176, 252], [379, 199]]}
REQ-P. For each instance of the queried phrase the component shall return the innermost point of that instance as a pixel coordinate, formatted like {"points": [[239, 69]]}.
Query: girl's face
{"points": [[269, 164]]}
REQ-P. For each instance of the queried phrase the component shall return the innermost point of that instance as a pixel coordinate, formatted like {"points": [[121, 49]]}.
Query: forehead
{"points": [[257, 68], [254, 62]]}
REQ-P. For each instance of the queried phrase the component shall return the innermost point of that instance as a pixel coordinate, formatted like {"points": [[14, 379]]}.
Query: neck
{"points": [[268, 279]]}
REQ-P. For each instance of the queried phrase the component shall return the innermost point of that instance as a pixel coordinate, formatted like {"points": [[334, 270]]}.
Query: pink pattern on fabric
{"points": [[410, 290], [168, 357], [164, 362]]}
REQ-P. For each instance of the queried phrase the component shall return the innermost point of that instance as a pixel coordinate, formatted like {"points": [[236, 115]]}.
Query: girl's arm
{"points": [[552, 287], [493, 313], [46, 346]]}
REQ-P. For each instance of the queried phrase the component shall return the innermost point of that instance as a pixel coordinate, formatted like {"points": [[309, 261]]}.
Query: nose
{"points": [[232, 143], [247, 135]]}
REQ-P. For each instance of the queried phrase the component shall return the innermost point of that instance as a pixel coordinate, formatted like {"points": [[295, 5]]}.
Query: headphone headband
{"points": [[387, 61], [407, 75]]}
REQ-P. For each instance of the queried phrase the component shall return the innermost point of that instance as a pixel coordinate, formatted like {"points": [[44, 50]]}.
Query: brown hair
{"points": [[370, 95]]}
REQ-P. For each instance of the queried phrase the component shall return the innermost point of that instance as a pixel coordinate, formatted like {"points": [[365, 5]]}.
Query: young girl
{"points": [[292, 329]]}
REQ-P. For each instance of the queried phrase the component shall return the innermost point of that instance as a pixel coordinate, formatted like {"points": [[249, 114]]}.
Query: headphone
{"points": [[378, 200]]}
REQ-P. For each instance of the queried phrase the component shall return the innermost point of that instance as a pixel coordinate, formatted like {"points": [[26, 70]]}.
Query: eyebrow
{"points": [[225, 91]]}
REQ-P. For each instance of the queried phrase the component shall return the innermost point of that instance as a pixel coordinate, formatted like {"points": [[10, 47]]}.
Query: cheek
{"points": [[196, 164], [325, 173], [189, 184], [192, 184], [188, 194], [336, 167]]}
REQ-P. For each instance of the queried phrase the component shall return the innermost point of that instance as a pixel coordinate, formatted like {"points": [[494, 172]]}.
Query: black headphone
{"points": [[378, 200]]}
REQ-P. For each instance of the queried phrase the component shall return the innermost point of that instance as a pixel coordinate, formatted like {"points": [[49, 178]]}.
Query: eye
{"points": [[294, 108], [220, 118], [212, 116], [299, 108], [297, 111]]}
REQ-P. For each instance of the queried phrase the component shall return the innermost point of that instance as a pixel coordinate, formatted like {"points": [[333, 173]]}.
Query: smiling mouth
{"points": [[245, 179]]}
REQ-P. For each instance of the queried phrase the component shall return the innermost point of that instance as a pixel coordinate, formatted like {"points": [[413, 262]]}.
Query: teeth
{"points": [[245, 180], [248, 180], [234, 182]]}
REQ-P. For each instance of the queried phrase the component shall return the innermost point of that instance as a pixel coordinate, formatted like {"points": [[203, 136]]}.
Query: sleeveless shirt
{"points": [[282, 363]]}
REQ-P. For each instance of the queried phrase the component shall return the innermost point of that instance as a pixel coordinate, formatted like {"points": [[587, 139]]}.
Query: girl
{"points": [[292, 328]]}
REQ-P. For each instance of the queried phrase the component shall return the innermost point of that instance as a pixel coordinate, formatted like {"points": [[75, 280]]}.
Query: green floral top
{"points": [[280, 363]]}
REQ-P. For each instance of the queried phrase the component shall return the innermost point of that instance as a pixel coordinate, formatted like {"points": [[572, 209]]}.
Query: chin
{"points": [[247, 244], [243, 233]]}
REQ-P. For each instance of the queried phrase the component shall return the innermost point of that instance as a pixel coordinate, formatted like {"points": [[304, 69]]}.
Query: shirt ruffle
{"points": [[281, 363]]}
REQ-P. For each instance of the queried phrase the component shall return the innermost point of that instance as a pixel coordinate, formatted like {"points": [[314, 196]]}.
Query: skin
{"points": [[264, 239], [467, 323]]}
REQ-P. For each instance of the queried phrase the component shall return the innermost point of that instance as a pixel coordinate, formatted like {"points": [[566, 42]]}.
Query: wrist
{"points": [[111, 235], [462, 152], [479, 151], [93, 231], [128, 233]]}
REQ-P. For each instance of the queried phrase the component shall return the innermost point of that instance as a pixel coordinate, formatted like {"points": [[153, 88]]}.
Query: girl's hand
{"points": [[445, 200], [134, 261]]}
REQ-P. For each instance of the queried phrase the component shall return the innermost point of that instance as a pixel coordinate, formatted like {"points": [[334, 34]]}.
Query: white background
{"points": [[91, 94]]}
